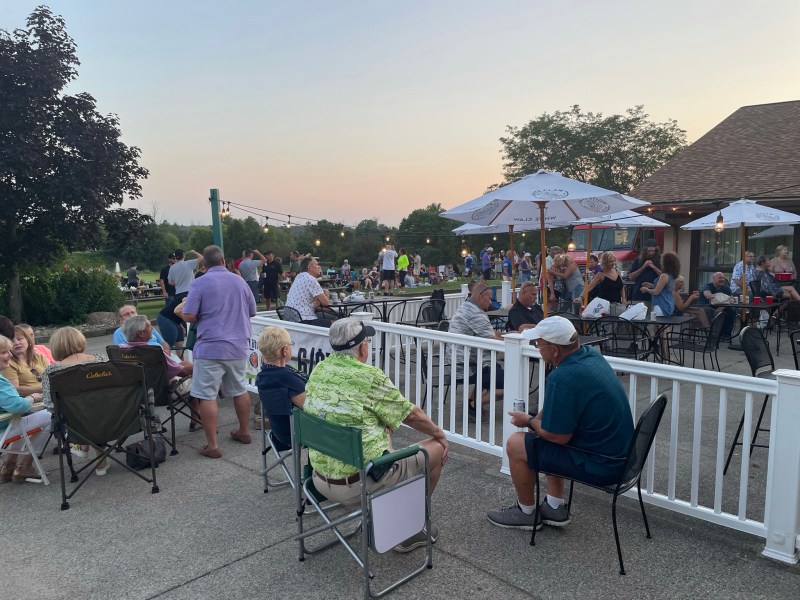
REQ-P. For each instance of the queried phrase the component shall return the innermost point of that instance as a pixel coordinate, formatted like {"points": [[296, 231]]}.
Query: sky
{"points": [[347, 110]]}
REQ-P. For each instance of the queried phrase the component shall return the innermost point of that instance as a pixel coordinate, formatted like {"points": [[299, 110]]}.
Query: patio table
{"points": [[384, 305]]}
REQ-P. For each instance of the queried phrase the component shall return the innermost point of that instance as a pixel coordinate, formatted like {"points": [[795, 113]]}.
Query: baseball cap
{"points": [[178, 253], [556, 330], [171, 255], [366, 331], [490, 249], [527, 254]]}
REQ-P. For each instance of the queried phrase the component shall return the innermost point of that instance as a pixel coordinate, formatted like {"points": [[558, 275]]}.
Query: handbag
{"points": [[719, 298], [137, 455]]}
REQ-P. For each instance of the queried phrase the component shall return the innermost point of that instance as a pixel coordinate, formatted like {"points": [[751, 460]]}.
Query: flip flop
{"points": [[206, 451]]}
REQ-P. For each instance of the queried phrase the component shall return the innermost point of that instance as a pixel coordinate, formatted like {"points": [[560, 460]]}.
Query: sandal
{"points": [[206, 451], [242, 438]]}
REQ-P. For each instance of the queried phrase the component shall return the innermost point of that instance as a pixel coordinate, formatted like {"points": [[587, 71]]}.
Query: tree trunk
{"points": [[15, 296]]}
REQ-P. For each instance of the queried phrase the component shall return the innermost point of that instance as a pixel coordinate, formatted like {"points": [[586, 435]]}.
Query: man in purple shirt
{"points": [[220, 305]]}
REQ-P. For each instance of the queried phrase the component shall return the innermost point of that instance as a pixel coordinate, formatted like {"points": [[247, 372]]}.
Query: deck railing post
{"points": [[505, 293], [513, 386], [782, 504]]}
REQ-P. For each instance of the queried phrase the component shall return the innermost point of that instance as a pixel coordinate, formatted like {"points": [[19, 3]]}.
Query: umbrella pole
{"points": [[586, 270], [511, 249], [543, 284], [744, 275]]}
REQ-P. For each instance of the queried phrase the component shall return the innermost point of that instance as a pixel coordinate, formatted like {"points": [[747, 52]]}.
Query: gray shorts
{"points": [[208, 374]]}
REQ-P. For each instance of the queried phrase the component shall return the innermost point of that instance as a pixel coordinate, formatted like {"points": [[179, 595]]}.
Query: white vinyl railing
{"points": [[684, 471]]}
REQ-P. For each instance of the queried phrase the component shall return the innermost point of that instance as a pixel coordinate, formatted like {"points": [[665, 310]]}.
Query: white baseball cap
{"points": [[556, 330]]}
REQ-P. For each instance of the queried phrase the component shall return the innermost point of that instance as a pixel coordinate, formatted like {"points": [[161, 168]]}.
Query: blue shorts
{"points": [[486, 377], [558, 459]]}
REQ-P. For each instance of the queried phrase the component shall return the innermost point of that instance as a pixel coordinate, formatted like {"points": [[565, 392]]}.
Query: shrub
{"points": [[68, 295]]}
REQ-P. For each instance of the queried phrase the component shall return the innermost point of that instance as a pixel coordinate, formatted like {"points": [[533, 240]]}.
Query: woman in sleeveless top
{"points": [[607, 284]]}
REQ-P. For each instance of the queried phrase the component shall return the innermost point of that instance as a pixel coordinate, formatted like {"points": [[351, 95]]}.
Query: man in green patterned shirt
{"points": [[342, 389]]}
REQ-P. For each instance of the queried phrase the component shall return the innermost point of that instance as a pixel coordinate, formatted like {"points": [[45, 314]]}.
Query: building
{"points": [[755, 154]]}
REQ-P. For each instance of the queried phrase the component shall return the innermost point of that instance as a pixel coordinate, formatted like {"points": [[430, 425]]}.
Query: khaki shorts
{"points": [[208, 374], [350, 494]]}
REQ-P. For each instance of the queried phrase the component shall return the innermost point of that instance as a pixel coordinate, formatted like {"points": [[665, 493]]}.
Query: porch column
{"points": [[782, 504], [513, 387]]}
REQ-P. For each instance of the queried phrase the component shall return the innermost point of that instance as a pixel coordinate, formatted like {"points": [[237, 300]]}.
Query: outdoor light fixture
{"points": [[289, 222], [494, 238], [463, 252], [341, 233], [317, 242], [720, 225], [427, 240], [387, 238], [523, 234], [571, 247], [266, 224]]}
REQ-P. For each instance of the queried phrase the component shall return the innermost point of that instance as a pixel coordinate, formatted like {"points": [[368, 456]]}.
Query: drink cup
{"points": [[770, 299], [519, 405], [757, 300]]}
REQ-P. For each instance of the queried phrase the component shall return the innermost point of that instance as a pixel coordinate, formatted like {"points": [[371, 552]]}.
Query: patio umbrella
{"points": [[744, 213], [625, 218], [776, 231], [560, 201]]}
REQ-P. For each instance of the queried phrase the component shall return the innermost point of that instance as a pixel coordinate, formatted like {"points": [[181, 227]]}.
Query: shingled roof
{"points": [[754, 153]]}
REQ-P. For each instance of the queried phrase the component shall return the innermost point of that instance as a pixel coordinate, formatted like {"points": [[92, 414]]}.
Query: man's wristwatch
{"points": [[530, 421]]}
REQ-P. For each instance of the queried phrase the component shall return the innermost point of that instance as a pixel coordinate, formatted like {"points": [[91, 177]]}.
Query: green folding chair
{"points": [[385, 518]]}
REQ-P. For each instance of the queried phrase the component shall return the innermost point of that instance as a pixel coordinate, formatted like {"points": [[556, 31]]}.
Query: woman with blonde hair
{"points": [[782, 263], [12, 402], [607, 284], [68, 346], [26, 366], [567, 269]]}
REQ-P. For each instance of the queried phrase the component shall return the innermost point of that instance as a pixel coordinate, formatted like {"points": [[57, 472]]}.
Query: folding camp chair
{"points": [[277, 406], [385, 518], [24, 435], [172, 394], [100, 404]]}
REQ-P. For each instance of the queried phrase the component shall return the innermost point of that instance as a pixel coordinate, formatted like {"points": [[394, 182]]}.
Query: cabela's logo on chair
{"points": [[98, 374], [129, 356]]}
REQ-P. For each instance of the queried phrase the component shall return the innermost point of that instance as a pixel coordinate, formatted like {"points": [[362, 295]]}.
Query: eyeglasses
{"points": [[36, 374]]}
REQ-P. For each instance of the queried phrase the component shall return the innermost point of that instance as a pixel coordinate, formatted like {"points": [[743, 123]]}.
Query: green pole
{"points": [[216, 224]]}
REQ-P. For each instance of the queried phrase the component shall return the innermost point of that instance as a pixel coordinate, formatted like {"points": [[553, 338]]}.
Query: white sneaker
{"points": [[76, 451], [102, 467]]}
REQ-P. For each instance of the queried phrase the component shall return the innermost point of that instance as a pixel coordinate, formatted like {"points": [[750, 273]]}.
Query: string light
{"points": [[266, 225], [317, 242], [341, 233]]}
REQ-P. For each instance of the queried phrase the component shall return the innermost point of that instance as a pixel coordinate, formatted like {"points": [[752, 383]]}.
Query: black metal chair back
{"points": [[715, 332], [756, 349], [626, 339], [794, 339], [287, 313], [430, 312]]}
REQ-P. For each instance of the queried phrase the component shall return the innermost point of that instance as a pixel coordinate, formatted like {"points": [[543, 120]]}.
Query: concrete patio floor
{"points": [[212, 533]]}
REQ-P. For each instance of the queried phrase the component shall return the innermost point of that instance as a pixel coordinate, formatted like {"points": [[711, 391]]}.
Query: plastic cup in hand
{"points": [[757, 300], [770, 299]]}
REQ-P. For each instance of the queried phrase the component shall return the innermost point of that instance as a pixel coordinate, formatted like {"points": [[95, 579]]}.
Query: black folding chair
{"points": [[789, 316], [634, 461], [172, 394], [756, 349], [100, 404], [794, 339]]}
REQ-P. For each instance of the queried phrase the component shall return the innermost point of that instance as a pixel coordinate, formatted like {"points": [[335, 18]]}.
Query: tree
{"points": [[62, 164], [616, 152], [431, 235]]}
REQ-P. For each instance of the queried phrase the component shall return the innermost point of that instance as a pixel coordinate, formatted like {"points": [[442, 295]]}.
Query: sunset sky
{"points": [[348, 110]]}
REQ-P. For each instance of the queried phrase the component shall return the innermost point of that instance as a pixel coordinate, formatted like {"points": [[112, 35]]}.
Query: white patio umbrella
{"points": [[744, 213], [560, 201], [775, 231], [625, 218]]}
